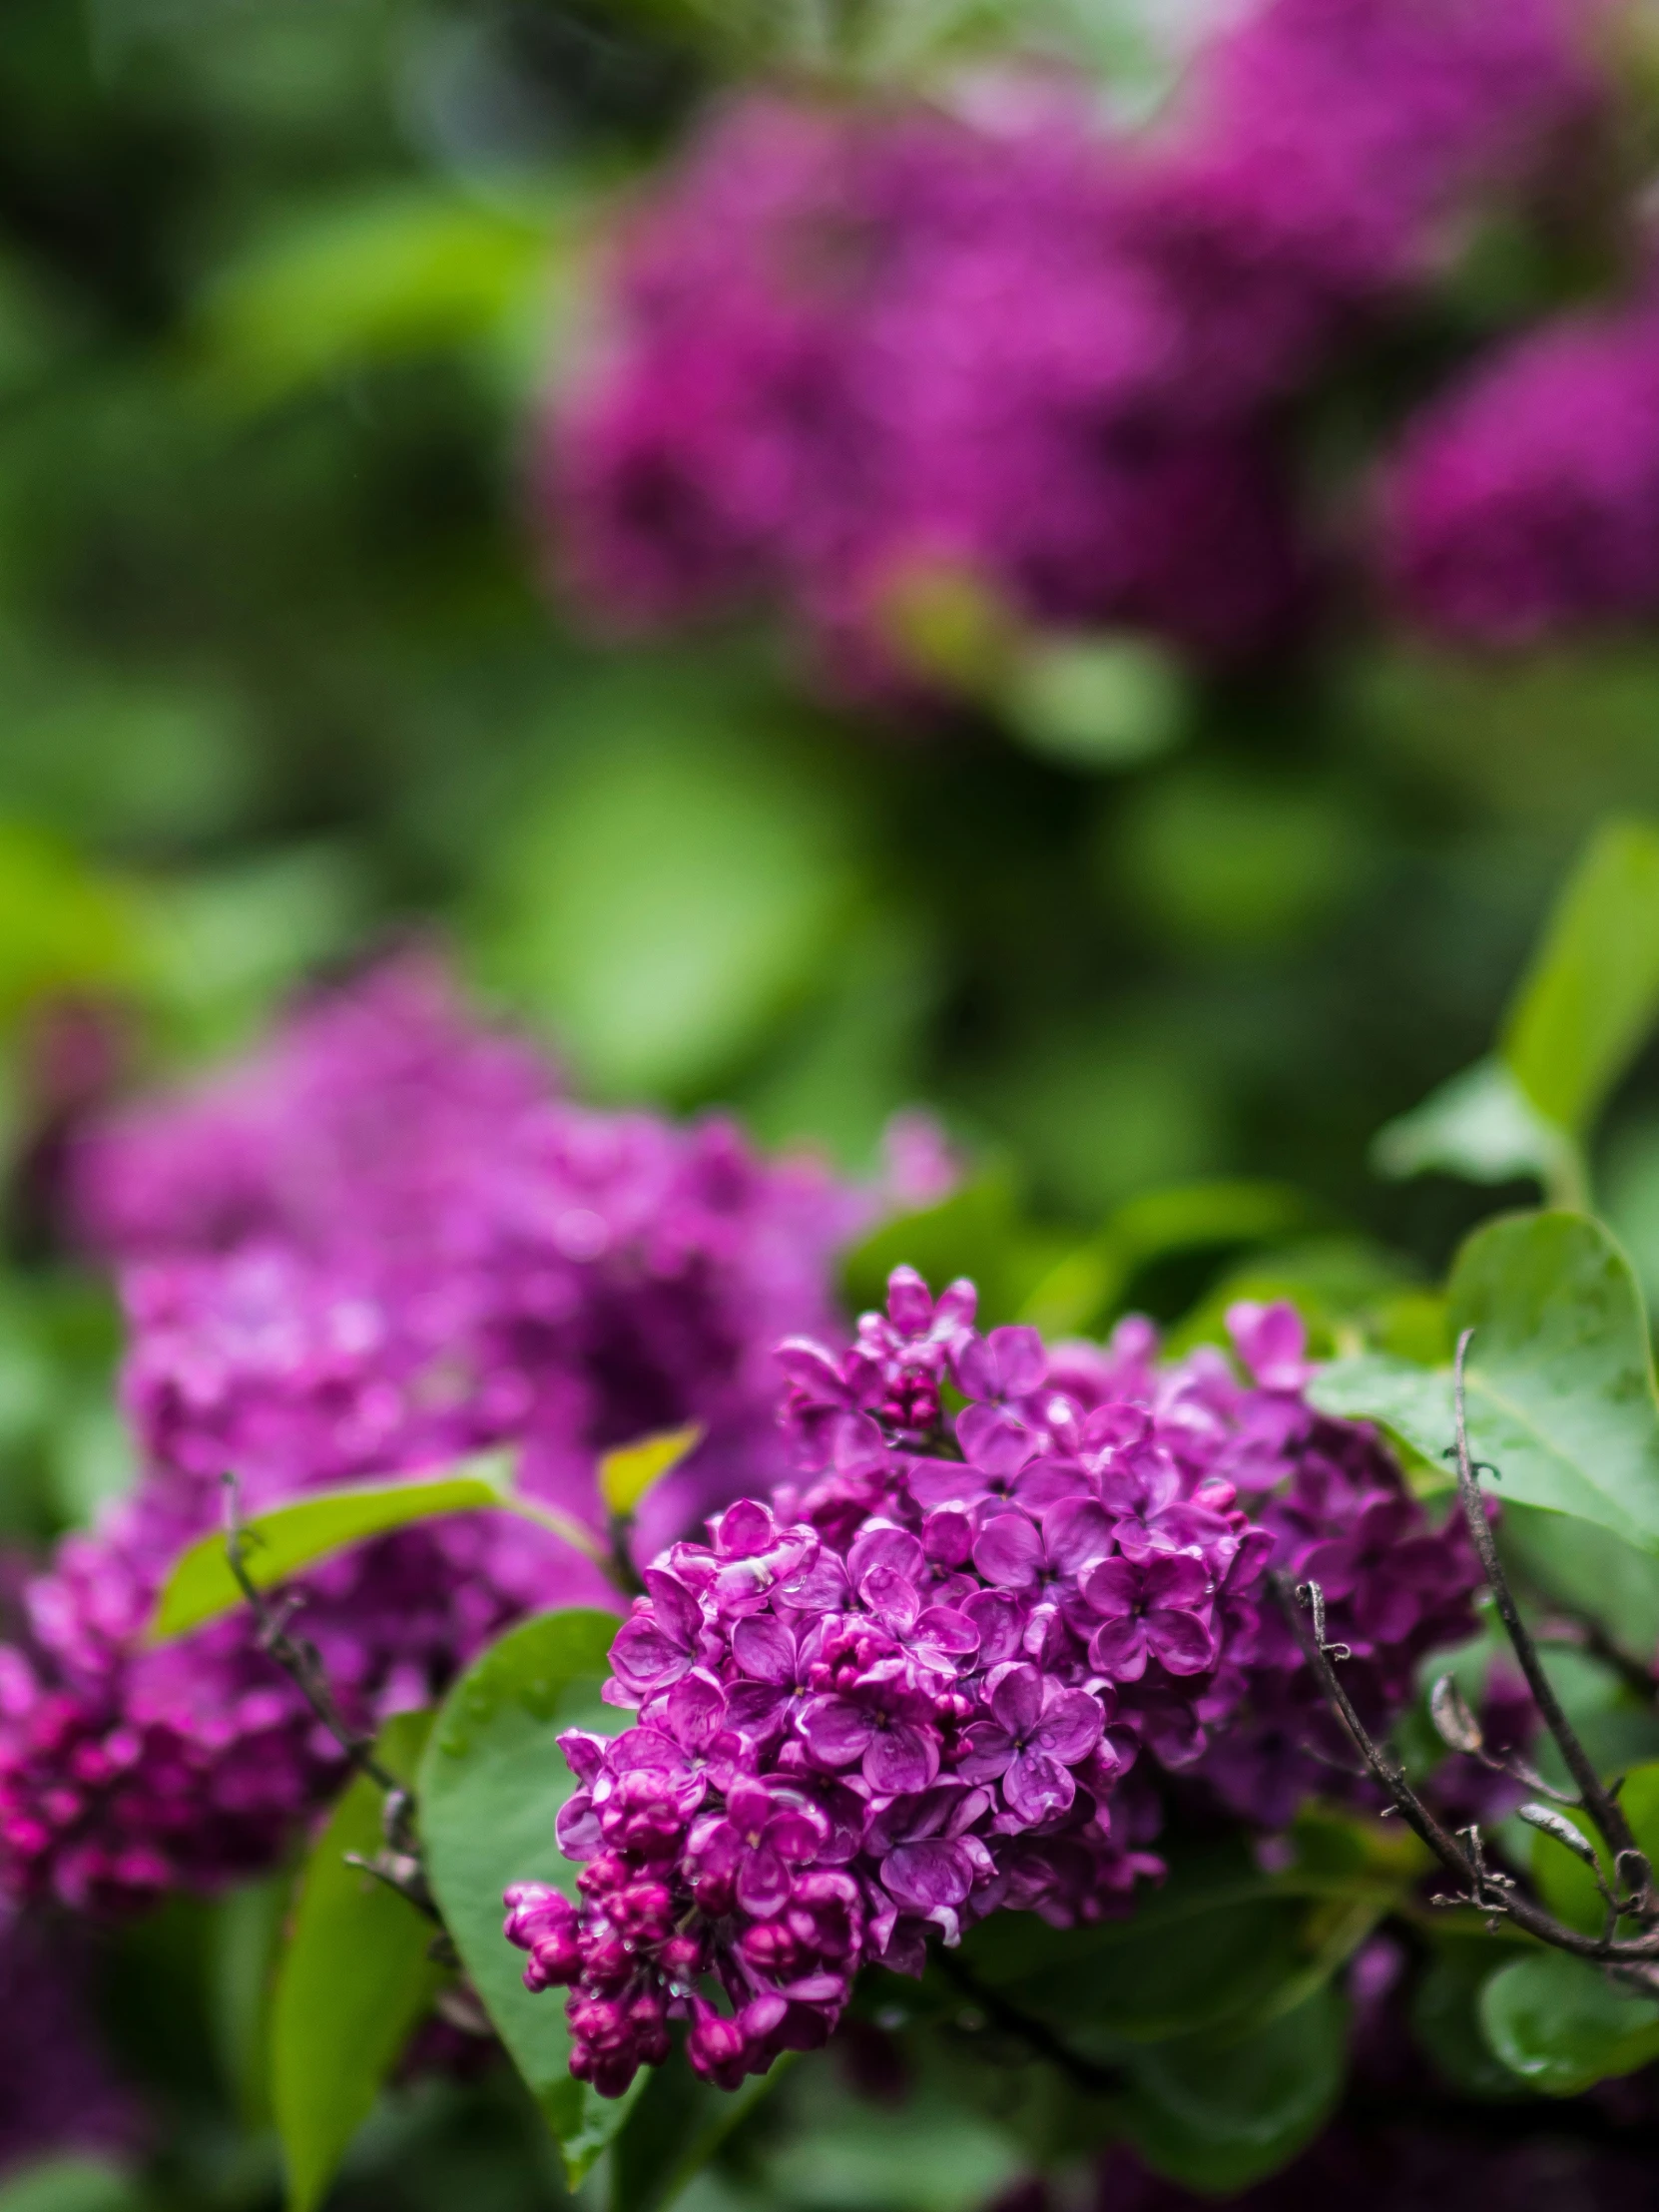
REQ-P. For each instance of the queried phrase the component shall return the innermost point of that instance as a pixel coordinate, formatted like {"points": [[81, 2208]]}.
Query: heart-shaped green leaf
{"points": [[1560, 1384], [1559, 2024], [491, 1786]]}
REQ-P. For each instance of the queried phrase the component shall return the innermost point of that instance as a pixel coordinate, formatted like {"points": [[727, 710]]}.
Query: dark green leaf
{"points": [[1560, 1375], [491, 1786], [1561, 2025], [1445, 2014], [979, 1231], [675, 2127], [1086, 1288], [1218, 2112], [286, 1538], [354, 1981]]}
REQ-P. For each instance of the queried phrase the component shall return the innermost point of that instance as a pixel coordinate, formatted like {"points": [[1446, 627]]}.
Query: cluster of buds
{"points": [[940, 1674]]}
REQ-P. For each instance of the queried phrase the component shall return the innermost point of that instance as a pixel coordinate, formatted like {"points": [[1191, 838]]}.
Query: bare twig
{"points": [[398, 1864], [1599, 1801], [1463, 1855]]}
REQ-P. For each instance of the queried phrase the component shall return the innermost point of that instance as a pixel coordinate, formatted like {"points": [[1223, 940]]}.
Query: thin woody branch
{"points": [[399, 1865], [1599, 1801], [1461, 1855]]}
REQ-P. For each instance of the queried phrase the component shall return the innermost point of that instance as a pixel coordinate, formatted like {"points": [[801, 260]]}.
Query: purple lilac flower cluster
{"points": [[849, 349], [387, 1241], [1525, 500], [938, 1676]]}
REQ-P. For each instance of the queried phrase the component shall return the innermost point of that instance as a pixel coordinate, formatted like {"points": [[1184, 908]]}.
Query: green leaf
{"points": [[491, 1786], [1218, 2112], [1591, 992], [674, 2129], [75, 2181], [1096, 703], [354, 1981], [1085, 1287], [1560, 1375], [979, 1231], [293, 1534], [1219, 1942], [398, 274], [628, 1473], [1445, 2014], [1565, 1881], [1480, 1125], [685, 878], [1561, 2025]]}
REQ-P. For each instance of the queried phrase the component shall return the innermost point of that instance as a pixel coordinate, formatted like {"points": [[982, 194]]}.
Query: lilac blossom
{"points": [[386, 1241], [1525, 500], [949, 1669], [846, 352]]}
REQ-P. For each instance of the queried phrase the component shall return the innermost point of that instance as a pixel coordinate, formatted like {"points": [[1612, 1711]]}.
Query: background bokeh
{"points": [[284, 680]]}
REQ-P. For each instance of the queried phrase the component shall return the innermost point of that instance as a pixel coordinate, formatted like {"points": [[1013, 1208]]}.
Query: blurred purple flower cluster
{"points": [[852, 350], [938, 1676], [385, 1242], [1525, 500]]}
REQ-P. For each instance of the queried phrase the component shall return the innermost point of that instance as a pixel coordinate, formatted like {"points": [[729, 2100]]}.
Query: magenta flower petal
{"points": [[1112, 1589], [1182, 1641], [1008, 1550], [1017, 1699], [927, 1875], [986, 1751], [900, 1758], [1069, 1725], [993, 1440], [645, 1659], [764, 1648], [837, 1730], [1118, 1648], [1037, 1786]]}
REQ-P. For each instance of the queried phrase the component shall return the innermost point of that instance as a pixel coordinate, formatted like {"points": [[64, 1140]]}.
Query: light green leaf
{"points": [[75, 2181], [628, 1473], [1561, 2025], [1480, 1125], [398, 274], [1218, 2111], [1560, 1375], [1591, 992], [491, 1785], [293, 1534], [1565, 1881], [1096, 703], [354, 1981], [683, 880]]}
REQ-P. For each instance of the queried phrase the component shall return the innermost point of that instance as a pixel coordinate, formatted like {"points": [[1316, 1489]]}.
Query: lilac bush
{"points": [[385, 1242], [955, 1666], [844, 349]]}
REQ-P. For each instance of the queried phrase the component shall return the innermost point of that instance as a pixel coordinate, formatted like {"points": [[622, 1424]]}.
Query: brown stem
{"points": [[399, 1864], [1479, 1885], [1599, 1802]]}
